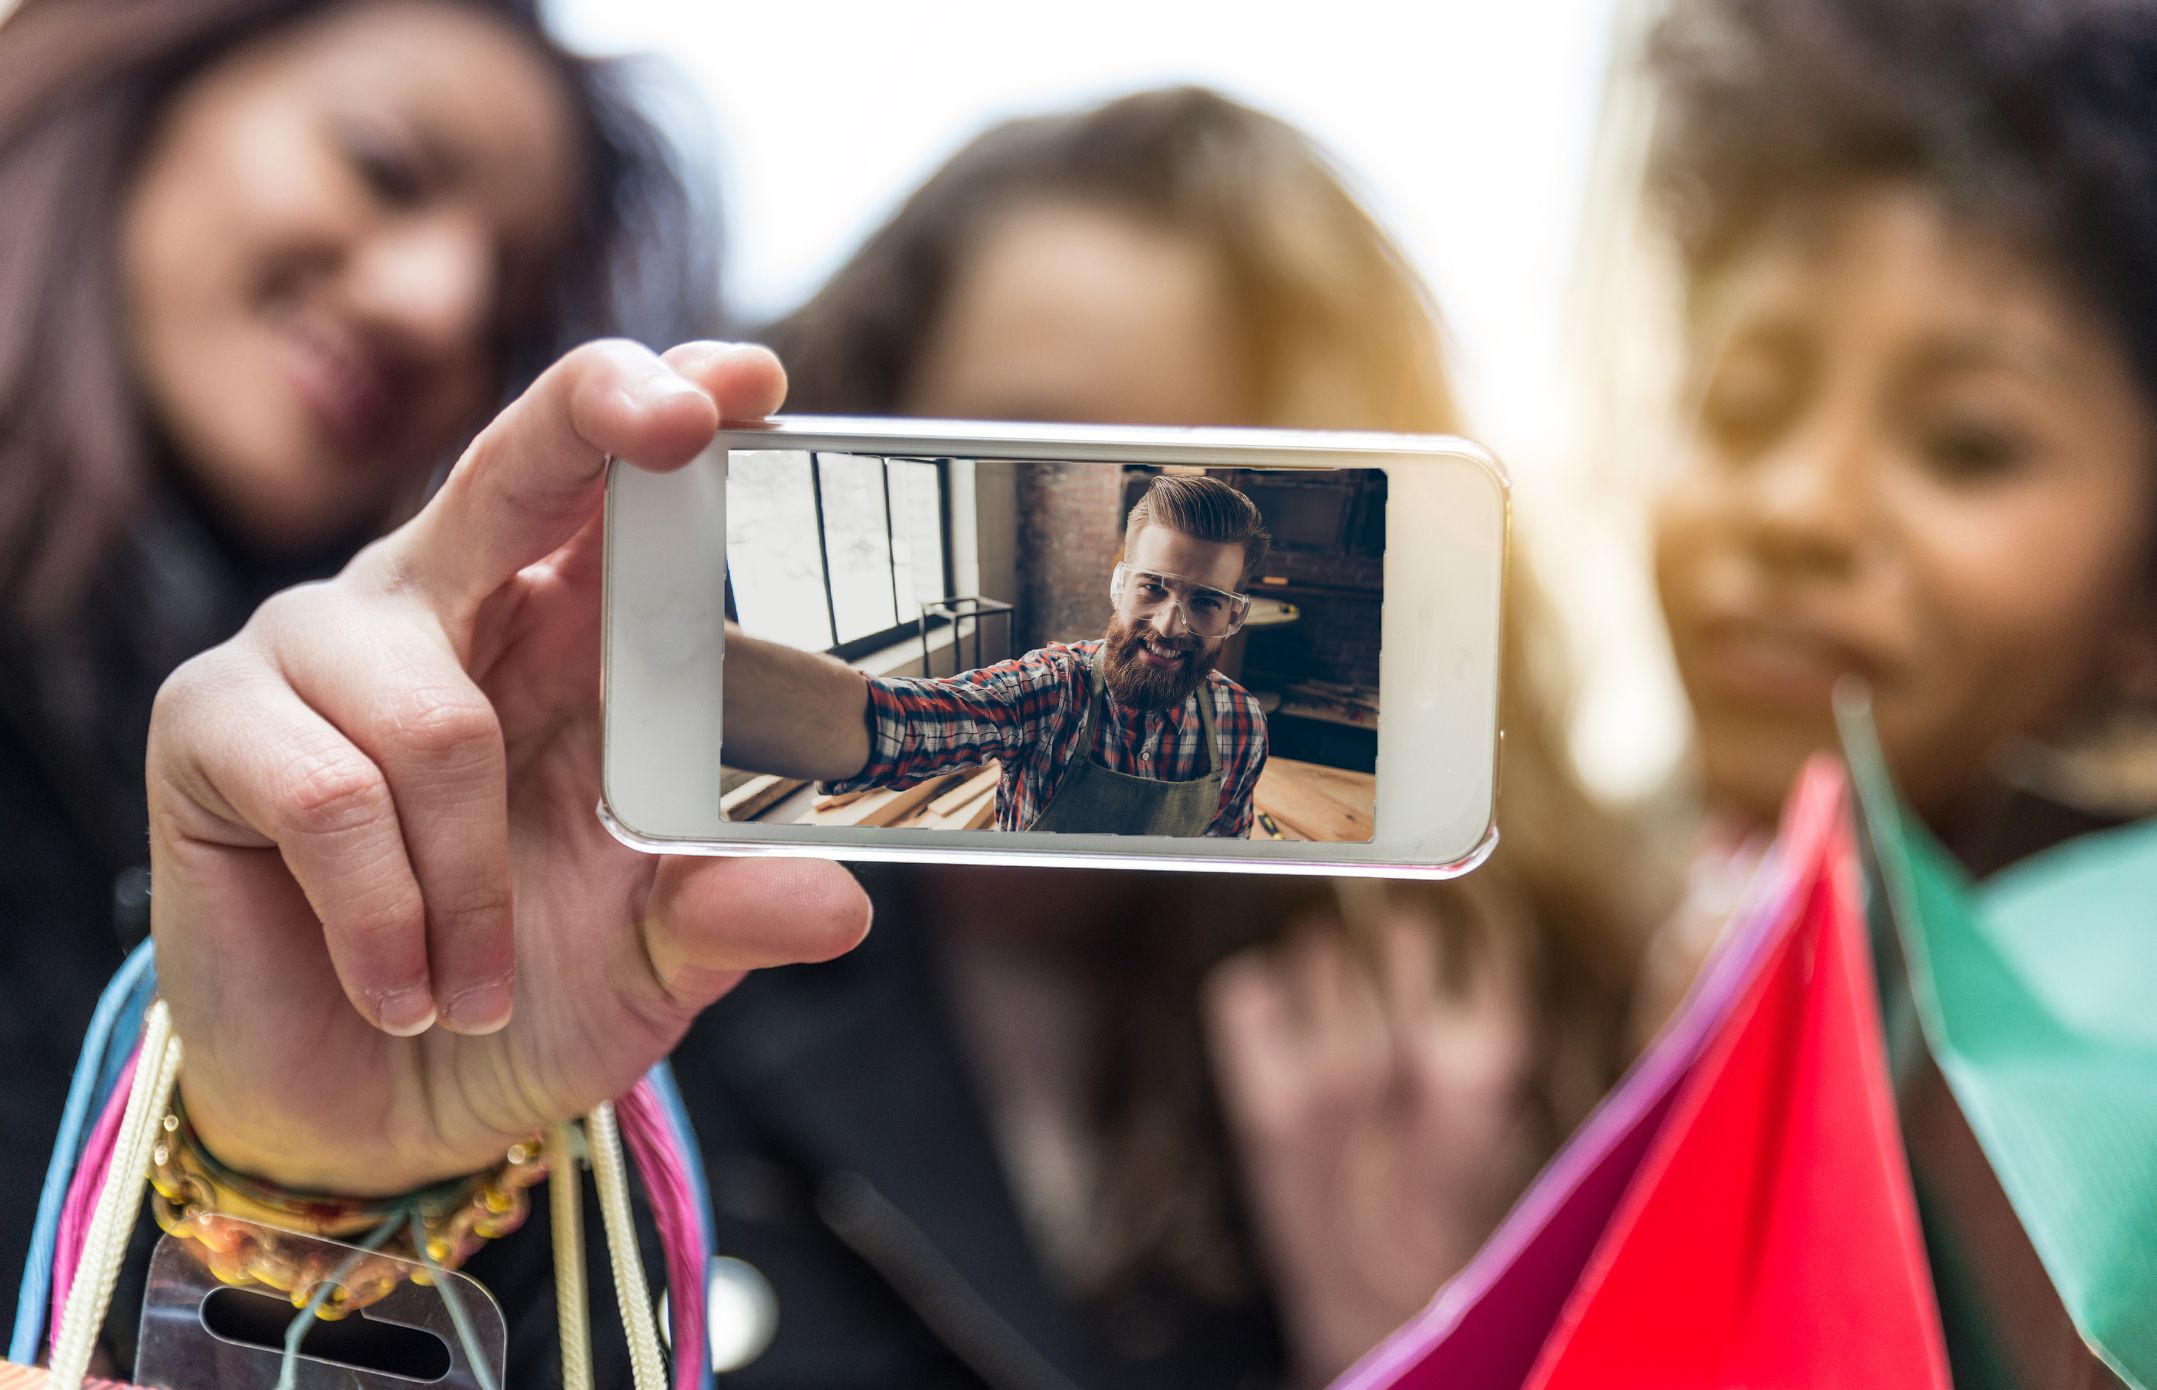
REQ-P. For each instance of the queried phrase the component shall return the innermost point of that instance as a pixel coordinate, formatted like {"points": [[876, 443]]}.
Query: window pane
{"points": [[858, 544], [771, 547], [917, 533]]}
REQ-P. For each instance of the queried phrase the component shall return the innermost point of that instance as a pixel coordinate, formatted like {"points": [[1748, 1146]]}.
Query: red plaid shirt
{"points": [[1027, 713]]}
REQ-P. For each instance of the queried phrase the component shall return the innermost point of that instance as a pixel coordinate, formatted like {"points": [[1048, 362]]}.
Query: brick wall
{"points": [[1333, 569], [1338, 592], [1334, 639], [1070, 529]]}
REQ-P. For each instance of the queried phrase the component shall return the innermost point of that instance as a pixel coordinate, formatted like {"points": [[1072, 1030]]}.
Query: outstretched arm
{"points": [[796, 713], [371, 827], [922, 728]]}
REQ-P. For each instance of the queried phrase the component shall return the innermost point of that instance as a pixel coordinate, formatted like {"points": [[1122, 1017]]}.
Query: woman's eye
{"points": [[1741, 412], [1972, 450], [391, 172]]}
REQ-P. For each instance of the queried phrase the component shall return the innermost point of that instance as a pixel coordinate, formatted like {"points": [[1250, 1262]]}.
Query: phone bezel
{"points": [[1440, 625]]}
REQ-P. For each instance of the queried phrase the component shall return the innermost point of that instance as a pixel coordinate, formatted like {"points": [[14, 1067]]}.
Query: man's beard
{"points": [[1137, 684]]}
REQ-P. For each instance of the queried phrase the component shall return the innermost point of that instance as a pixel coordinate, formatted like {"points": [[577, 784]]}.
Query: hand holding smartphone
{"points": [[1224, 649]]}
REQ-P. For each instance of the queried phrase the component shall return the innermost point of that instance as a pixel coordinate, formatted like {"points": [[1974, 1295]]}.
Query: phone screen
{"points": [[1077, 647]]}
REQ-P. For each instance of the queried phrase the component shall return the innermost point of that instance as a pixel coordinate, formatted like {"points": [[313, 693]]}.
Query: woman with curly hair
{"points": [[1921, 242], [1921, 245]]}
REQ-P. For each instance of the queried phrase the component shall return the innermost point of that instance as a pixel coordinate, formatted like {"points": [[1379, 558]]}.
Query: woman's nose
{"points": [[1809, 497], [428, 282]]}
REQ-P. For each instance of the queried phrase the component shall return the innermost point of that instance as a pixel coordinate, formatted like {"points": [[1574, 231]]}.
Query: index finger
{"points": [[533, 476]]}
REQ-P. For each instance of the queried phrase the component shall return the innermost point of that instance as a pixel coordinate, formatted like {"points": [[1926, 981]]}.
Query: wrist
{"points": [[249, 1231], [343, 1155]]}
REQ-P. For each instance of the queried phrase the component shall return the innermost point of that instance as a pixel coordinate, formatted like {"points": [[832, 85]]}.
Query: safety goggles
{"points": [[1207, 611]]}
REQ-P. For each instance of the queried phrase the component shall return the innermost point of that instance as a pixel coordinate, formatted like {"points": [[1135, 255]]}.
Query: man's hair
{"points": [[1205, 509]]}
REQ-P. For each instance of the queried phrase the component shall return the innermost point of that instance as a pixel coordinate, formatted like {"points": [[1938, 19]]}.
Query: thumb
{"points": [[532, 478], [709, 920]]}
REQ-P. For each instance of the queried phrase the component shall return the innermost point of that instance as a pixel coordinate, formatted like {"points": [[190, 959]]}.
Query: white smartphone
{"points": [[1198, 649]]}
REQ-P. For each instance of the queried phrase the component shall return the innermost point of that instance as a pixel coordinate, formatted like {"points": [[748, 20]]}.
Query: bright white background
{"points": [[1467, 126]]}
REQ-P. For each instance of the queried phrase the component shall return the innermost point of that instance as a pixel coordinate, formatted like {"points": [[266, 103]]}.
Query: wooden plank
{"points": [[752, 796], [1289, 828], [1316, 803], [968, 806], [852, 812], [837, 799], [1359, 785], [1353, 788], [973, 788], [882, 807], [964, 804], [904, 803], [792, 808], [1312, 816]]}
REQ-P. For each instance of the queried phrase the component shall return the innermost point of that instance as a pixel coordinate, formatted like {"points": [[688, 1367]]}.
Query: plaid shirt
{"points": [[1028, 712]]}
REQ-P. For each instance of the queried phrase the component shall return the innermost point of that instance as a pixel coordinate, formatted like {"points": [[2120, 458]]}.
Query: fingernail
{"points": [[662, 387], [709, 351], [480, 1009], [404, 1013]]}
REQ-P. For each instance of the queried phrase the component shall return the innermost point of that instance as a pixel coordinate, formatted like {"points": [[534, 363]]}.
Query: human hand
{"points": [[1378, 1116], [372, 825]]}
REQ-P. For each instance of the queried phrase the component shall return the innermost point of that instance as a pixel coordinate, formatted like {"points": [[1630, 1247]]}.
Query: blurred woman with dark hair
{"points": [[264, 265], [1155, 1130]]}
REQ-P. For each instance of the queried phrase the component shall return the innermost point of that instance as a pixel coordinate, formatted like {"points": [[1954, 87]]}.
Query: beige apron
{"points": [[1094, 800]]}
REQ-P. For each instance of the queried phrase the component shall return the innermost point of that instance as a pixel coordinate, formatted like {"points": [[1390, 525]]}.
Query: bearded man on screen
{"points": [[1135, 733]]}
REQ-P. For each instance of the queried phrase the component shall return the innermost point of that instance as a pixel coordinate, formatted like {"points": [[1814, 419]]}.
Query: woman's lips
{"points": [[343, 386], [1771, 665]]}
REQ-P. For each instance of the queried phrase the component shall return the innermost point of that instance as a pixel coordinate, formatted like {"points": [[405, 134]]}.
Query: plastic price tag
{"points": [[200, 1334]]}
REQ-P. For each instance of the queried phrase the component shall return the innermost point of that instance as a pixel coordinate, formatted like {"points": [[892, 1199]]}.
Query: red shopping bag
{"points": [[1769, 1236], [1737, 1211]]}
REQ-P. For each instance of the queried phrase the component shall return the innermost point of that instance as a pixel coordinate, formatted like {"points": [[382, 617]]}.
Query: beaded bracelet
{"points": [[221, 1214]]}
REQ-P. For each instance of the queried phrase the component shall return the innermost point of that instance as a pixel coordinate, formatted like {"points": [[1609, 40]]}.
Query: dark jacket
{"points": [[851, 1163], [75, 702]]}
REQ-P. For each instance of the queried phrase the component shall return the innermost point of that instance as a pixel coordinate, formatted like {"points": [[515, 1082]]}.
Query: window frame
{"points": [[905, 628]]}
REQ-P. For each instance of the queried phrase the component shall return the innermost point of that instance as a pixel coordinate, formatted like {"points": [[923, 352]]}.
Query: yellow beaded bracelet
{"points": [[221, 1213]]}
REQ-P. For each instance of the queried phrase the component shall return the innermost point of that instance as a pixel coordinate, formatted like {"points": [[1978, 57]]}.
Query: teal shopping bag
{"points": [[2034, 997]]}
